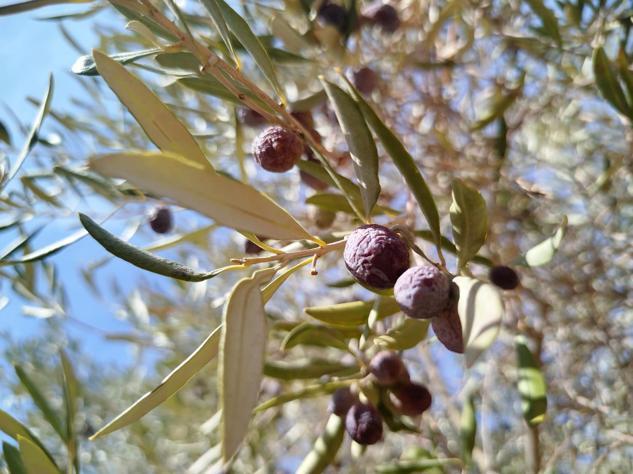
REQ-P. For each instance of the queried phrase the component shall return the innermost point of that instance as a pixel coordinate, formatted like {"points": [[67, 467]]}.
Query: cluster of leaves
{"points": [[250, 340]]}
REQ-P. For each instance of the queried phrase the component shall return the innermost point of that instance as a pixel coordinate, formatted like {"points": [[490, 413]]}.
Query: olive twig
{"points": [[285, 257]]}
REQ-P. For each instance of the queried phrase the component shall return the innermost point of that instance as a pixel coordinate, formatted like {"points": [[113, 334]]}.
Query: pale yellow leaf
{"points": [[241, 359], [229, 202], [35, 460], [161, 124], [169, 386], [480, 312]]}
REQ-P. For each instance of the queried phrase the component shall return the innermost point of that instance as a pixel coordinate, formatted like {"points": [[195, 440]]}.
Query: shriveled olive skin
{"points": [[364, 424], [376, 256], [422, 292], [277, 149]]}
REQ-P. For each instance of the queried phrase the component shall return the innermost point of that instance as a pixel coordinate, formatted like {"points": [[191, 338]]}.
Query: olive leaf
{"points": [[308, 369], [405, 164], [35, 460], [470, 221], [34, 4], [228, 202], [325, 447], [70, 391], [31, 138], [531, 384], [480, 312], [548, 19], [253, 45], [310, 391], [173, 382], [468, 429], [404, 336], [40, 401], [360, 142], [160, 124], [13, 428], [85, 65], [544, 252], [316, 335], [13, 459], [354, 313], [607, 81], [450, 247], [241, 359], [213, 8], [4, 134], [143, 259], [46, 251], [338, 203]]}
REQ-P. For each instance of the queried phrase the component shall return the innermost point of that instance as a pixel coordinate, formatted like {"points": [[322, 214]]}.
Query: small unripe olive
{"points": [[410, 399], [386, 18], [388, 368], [333, 15], [161, 220], [364, 424]]}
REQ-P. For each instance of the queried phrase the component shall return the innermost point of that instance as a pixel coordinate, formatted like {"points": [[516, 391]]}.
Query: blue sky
{"points": [[30, 49]]}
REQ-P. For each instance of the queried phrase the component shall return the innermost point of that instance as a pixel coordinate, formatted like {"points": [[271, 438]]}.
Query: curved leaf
{"points": [[354, 313], [31, 138], [544, 252], [85, 65], [531, 384], [13, 459], [480, 311], [405, 164], [360, 142], [176, 379], [325, 447], [338, 202], [228, 202], [404, 336], [13, 428], [35, 460], [310, 391], [315, 335], [33, 4], [241, 360], [160, 123], [607, 82], [307, 369], [142, 259], [470, 221], [468, 429]]}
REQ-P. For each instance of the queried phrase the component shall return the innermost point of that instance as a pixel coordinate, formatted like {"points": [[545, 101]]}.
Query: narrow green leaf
{"points": [[247, 38], [314, 335], [360, 142], [470, 221], [209, 85], [338, 203], [608, 84], [308, 369], [480, 310], [269, 290], [143, 259], [544, 252], [160, 124], [123, 7], [352, 314], [496, 107], [169, 386], [405, 164], [35, 460], [531, 384], [548, 18], [468, 429], [317, 170], [31, 138], [219, 22], [4, 134], [13, 459], [292, 39], [309, 102], [86, 66], [450, 247], [34, 4], [310, 391], [13, 428], [404, 467], [41, 403], [46, 251], [241, 359], [181, 60], [17, 244], [70, 388], [325, 447], [227, 201], [406, 335]]}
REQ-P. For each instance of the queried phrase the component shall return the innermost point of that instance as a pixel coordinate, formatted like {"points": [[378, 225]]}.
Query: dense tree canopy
{"points": [[488, 142]]}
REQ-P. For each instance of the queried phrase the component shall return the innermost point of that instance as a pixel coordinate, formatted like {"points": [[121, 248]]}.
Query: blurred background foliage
{"points": [[529, 101]]}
